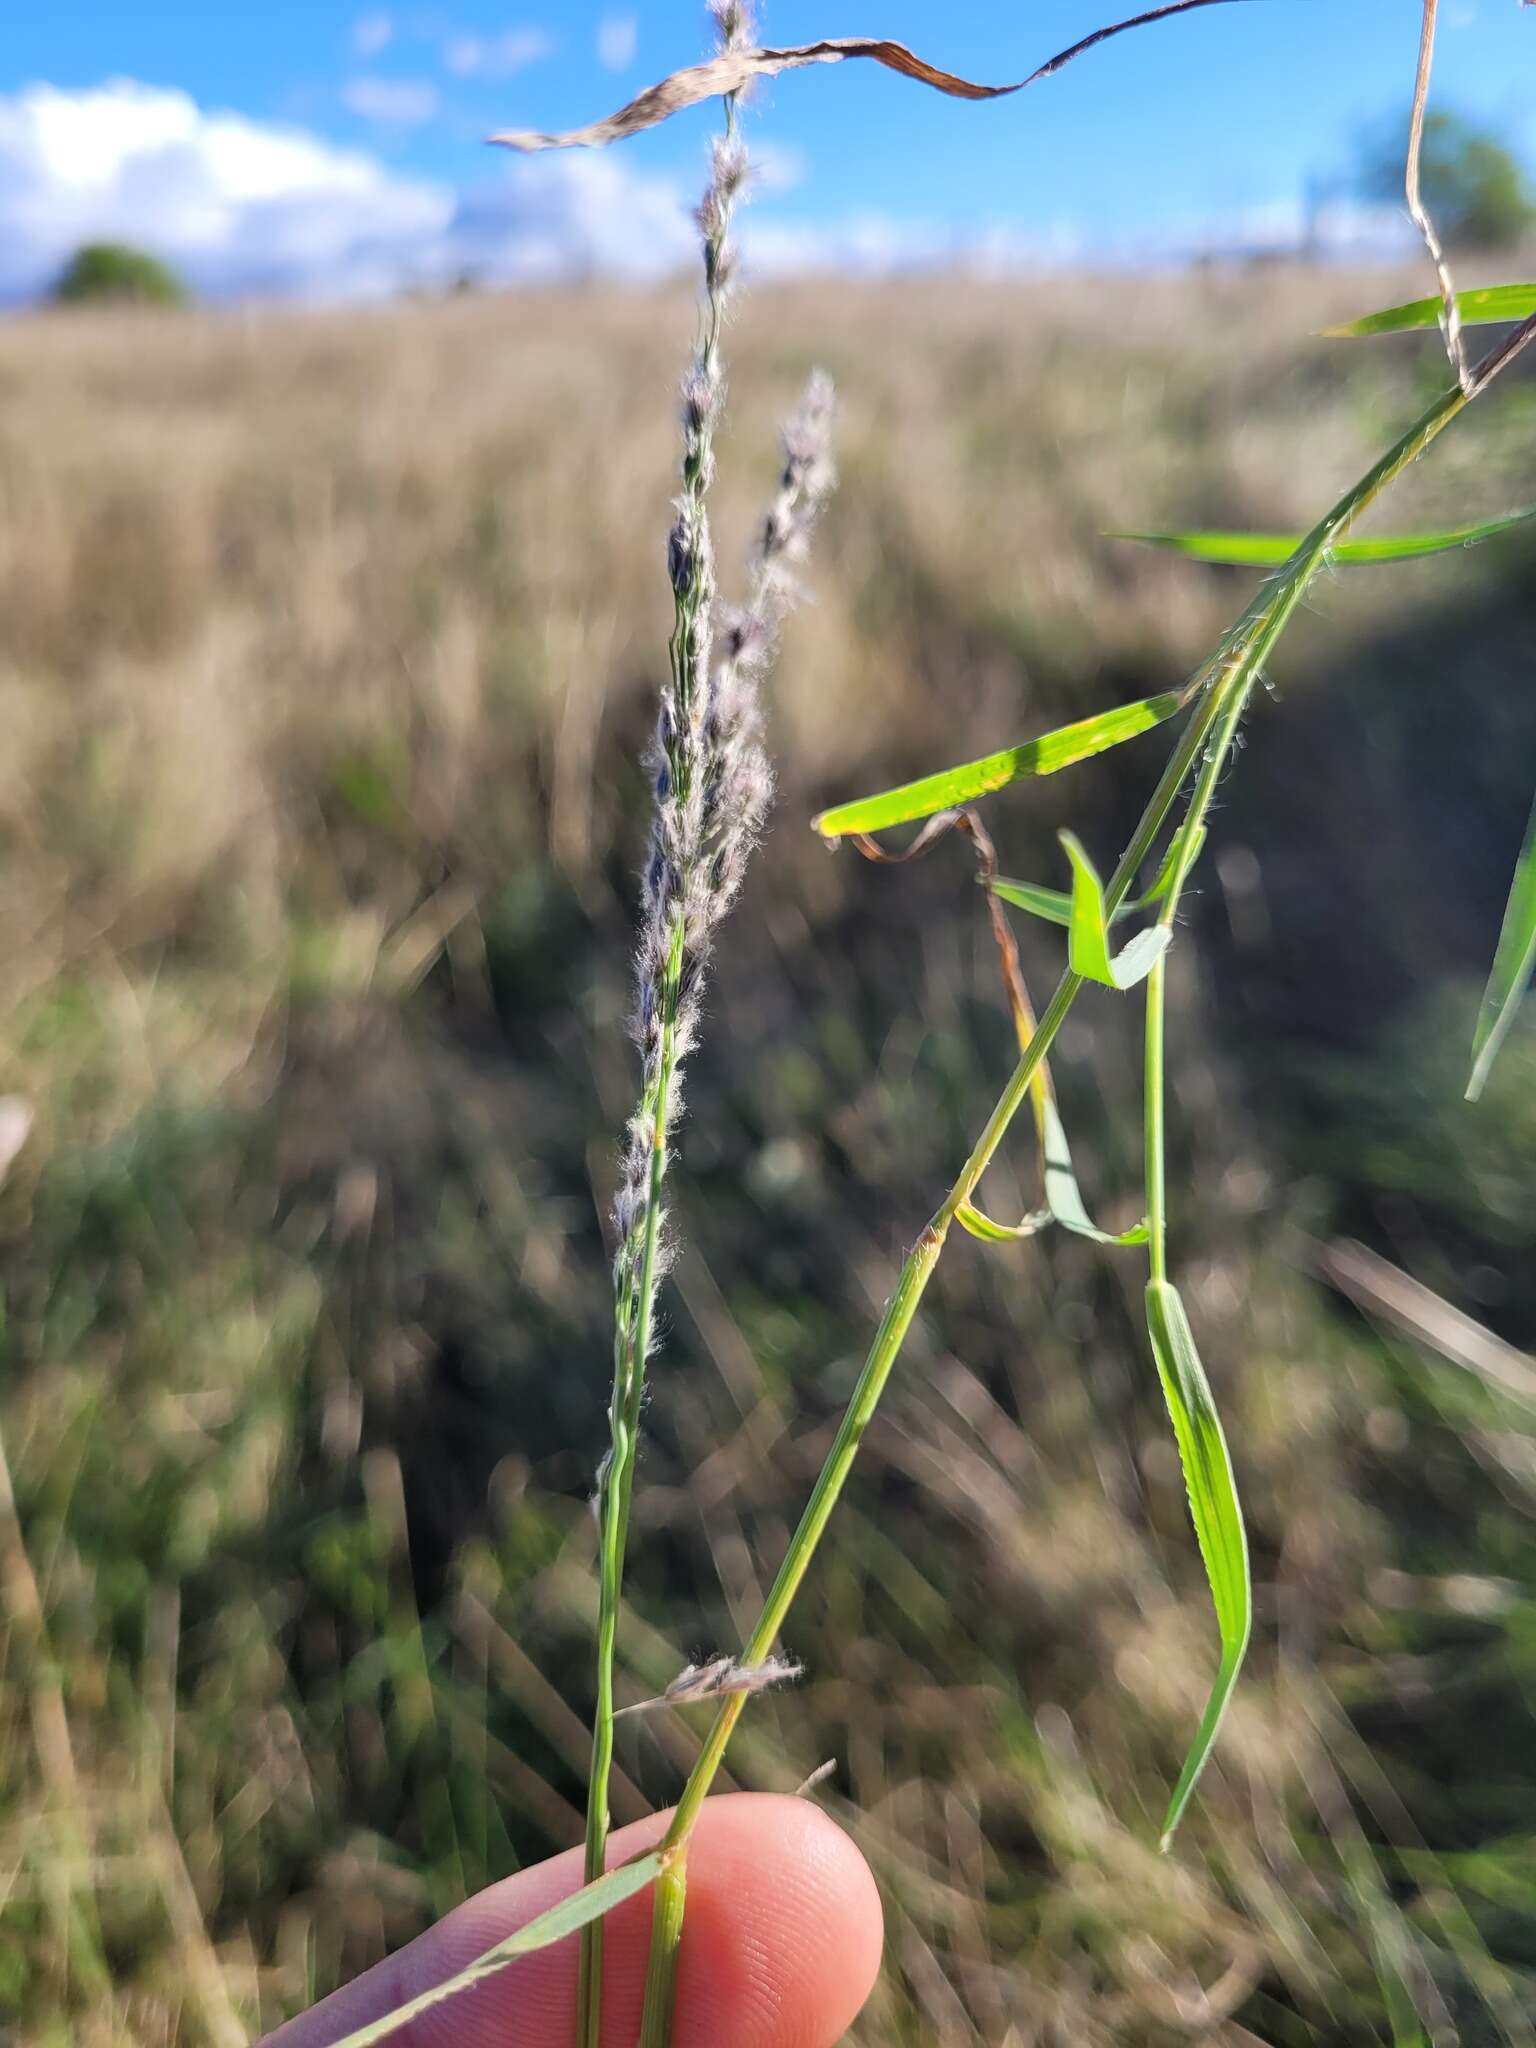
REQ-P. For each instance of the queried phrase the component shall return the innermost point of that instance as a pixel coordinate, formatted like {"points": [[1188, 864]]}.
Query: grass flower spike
{"points": [[712, 788]]}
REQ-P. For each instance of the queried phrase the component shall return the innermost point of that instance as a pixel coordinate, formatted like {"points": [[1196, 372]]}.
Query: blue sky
{"points": [[357, 150]]}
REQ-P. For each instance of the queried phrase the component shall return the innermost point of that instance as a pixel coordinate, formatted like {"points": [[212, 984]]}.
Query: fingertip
{"points": [[783, 1935], [781, 1945]]}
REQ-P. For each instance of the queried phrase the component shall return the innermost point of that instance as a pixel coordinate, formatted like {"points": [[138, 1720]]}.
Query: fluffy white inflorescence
{"points": [[711, 776], [713, 783], [735, 25]]}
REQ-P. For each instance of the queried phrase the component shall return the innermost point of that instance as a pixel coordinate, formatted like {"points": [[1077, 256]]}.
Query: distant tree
{"points": [[112, 272], [1474, 185]]}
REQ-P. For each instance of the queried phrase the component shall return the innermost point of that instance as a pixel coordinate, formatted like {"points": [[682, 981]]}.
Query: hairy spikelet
{"points": [[673, 941], [739, 784], [735, 24], [711, 779]]}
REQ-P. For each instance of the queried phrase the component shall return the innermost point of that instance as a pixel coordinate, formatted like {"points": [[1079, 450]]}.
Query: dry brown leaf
{"points": [[737, 68]]}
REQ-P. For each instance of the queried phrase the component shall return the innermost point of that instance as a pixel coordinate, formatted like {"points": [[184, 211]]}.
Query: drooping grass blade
{"points": [[576, 1912], [1214, 1510], [1063, 1196], [956, 786], [1269, 550], [1479, 308], [1513, 961], [1088, 932], [1064, 1202], [981, 1225]]}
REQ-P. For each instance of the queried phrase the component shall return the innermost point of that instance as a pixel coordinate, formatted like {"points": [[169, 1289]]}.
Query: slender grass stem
{"points": [[670, 1900], [668, 964], [1220, 691], [1154, 1104], [1155, 1123], [1450, 316], [632, 1341]]}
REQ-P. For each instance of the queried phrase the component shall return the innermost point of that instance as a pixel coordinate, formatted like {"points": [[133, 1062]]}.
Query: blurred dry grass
{"points": [[324, 646]]}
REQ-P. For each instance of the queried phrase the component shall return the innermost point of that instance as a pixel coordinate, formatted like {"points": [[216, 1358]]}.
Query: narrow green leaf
{"points": [[1063, 1196], [962, 785], [981, 1225], [1087, 925], [1088, 932], [1512, 964], [575, 1912], [1269, 550], [1054, 905], [1477, 308], [1214, 1509]]}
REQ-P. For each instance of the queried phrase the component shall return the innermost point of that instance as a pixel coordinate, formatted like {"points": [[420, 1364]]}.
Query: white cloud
{"points": [[237, 205], [243, 209], [618, 36], [1283, 227], [776, 166], [873, 244], [391, 102], [372, 33], [496, 56], [577, 213]]}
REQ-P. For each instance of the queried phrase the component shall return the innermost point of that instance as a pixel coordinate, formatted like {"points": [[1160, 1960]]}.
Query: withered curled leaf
{"points": [[735, 69]]}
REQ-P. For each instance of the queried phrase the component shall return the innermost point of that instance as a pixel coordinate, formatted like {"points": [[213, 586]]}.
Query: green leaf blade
{"points": [[952, 787], [570, 1915], [1136, 960], [1479, 308], [1063, 1196], [1088, 931], [1270, 550], [1053, 905], [983, 1226], [1215, 1512], [1230, 550], [1513, 962]]}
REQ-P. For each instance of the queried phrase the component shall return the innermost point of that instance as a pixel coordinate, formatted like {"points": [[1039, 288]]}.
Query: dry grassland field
{"points": [[327, 646]]}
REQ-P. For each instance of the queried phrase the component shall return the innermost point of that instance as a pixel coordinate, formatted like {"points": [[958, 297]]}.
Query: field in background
{"points": [[325, 648]]}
